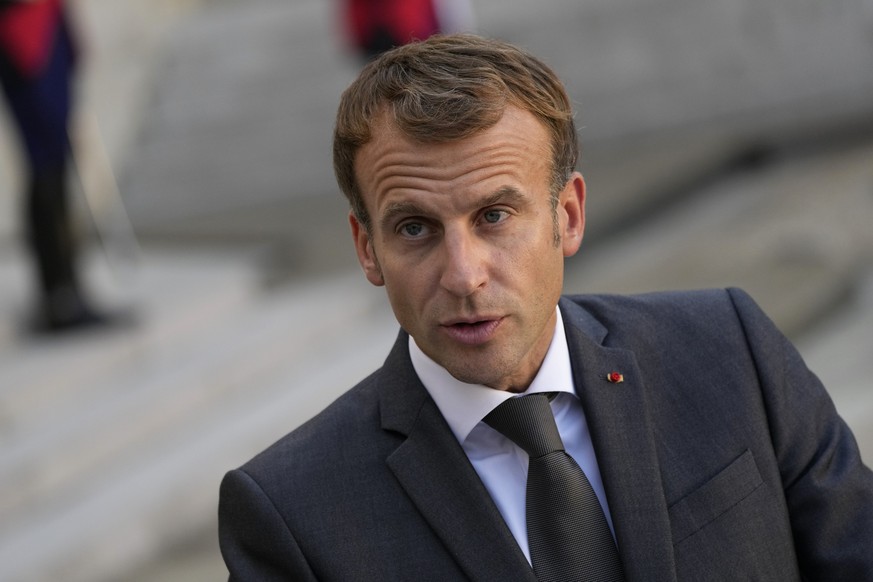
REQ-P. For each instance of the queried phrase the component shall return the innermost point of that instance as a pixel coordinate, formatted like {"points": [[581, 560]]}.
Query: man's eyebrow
{"points": [[504, 194]]}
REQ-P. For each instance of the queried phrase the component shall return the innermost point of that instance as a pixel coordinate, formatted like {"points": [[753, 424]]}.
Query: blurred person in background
{"points": [[515, 433], [375, 26], [37, 65]]}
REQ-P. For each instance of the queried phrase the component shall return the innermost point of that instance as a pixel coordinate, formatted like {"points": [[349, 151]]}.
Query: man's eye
{"points": [[494, 216], [413, 229]]}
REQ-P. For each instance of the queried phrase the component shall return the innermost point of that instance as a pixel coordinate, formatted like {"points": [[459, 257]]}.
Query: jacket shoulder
{"points": [[653, 314], [350, 422]]}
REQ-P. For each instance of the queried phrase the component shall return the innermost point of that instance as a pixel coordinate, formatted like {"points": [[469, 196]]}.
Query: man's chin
{"points": [[477, 375], [471, 364]]}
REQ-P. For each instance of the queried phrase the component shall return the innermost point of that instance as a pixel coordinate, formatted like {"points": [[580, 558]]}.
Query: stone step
{"points": [[174, 299], [165, 398], [794, 233], [158, 496]]}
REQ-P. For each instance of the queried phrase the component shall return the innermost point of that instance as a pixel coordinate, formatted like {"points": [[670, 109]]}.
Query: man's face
{"points": [[463, 239]]}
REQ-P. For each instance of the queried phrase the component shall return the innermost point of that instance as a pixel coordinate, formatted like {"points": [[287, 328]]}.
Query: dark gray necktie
{"points": [[567, 532]]}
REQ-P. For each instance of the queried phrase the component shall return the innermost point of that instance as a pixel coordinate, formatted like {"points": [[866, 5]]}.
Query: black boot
{"points": [[61, 304]]}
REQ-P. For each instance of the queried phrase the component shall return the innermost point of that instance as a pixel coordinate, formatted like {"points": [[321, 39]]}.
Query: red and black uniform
{"points": [[37, 59]]}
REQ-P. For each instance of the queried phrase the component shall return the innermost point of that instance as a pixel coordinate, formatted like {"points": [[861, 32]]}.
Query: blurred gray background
{"points": [[724, 143]]}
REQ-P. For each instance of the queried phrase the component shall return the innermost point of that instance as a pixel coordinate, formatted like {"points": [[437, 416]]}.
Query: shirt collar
{"points": [[464, 405]]}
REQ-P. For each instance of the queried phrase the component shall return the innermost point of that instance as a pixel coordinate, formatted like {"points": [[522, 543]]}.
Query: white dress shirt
{"points": [[500, 463]]}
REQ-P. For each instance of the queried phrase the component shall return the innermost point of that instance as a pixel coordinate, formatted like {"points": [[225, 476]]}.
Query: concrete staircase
{"points": [[114, 444]]}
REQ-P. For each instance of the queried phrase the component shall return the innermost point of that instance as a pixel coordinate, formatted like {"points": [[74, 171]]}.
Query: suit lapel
{"points": [[617, 416], [435, 473]]}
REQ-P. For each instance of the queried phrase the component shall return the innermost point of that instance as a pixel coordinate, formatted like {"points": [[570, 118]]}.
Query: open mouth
{"points": [[473, 332]]}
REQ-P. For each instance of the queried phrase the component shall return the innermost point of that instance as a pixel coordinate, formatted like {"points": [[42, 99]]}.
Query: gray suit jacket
{"points": [[721, 454]]}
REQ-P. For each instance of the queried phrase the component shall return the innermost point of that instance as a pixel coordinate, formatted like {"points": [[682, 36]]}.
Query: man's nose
{"points": [[464, 268]]}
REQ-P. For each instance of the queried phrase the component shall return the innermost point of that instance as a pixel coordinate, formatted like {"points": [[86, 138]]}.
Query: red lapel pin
{"points": [[615, 377]]}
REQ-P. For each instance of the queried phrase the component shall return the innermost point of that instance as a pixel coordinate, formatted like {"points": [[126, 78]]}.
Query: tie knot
{"points": [[528, 422]]}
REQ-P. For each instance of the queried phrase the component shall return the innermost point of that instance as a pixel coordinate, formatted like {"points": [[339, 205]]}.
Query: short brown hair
{"points": [[447, 88]]}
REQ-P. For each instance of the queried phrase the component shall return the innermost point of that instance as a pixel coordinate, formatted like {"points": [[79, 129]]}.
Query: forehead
{"points": [[516, 149]]}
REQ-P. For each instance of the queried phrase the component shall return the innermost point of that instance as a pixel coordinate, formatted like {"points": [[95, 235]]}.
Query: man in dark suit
{"points": [[709, 450]]}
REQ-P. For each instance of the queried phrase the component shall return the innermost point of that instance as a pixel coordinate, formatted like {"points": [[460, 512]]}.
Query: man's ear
{"points": [[366, 254], [571, 209]]}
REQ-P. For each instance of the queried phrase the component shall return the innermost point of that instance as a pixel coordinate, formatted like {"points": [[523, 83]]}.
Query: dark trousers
{"points": [[40, 105]]}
